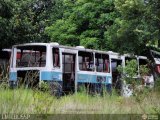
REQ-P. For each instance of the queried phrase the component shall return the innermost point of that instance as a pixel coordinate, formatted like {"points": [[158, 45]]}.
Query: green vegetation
{"points": [[126, 26], [24, 21], [131, 70], [119, 25], [23, 100], [33, 101]]}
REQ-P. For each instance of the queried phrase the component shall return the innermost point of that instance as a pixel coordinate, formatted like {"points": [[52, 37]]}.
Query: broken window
{"points": [[68, 63], [129, 59], [143, 62], [86, 61], [102, 62], [56, 57], [31, 56], [114, 64]]}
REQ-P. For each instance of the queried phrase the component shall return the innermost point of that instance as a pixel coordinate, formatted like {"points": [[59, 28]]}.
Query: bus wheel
{"points": [[56, 89]]}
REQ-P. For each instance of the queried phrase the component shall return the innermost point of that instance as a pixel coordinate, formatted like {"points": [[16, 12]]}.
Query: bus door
{"points": [[115, 73], [103, 75], [68, 72]]}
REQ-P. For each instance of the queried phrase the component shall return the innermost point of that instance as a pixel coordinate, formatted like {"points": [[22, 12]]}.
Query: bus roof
{"points": [[66, 47]]}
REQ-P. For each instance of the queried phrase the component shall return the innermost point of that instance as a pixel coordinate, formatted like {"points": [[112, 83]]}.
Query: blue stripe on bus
{"points": [[87, 78], [47, 75], [98, 87], [13, 76]]}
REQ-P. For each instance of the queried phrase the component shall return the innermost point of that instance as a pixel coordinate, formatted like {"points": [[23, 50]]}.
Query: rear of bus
{"points": [[27, 62]]}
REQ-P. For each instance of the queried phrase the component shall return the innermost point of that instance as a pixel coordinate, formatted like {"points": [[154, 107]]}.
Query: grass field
{"points": [[22, 101]]}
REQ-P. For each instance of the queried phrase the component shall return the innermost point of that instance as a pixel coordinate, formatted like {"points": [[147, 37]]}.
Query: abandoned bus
{"points": [[4, 63], [64, 68]]}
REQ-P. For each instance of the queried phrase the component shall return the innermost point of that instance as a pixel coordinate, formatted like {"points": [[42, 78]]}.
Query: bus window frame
{"points": [[103, 62], [91, 69], [25, 50]]}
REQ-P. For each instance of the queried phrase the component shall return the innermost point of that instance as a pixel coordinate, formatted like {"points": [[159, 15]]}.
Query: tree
{"points": [[84, 23], [6, 14], [122, 33], [136, 27], [25, 21], [126, 26]]}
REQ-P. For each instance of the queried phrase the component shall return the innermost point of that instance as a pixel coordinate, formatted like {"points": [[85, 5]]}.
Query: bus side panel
{"points": [[51, 75], [91, 78], [12, 79], [13, 76], [95, 80]]}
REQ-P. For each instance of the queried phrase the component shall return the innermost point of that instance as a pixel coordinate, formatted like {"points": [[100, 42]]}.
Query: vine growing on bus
{"points": [[128, 72]]}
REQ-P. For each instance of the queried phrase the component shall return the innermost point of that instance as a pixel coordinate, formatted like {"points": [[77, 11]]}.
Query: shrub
{"points": [[129, 72], [44, 86], [157, 84]]}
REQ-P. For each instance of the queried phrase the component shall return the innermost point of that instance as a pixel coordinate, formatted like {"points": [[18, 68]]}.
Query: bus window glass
{"points": [[102, 62], [86, 61], [31, 56], [56, 57]]}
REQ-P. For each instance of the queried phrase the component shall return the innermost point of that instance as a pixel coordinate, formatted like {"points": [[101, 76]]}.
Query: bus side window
{"points": [[102, 62], [56, 59], [85, 61]]}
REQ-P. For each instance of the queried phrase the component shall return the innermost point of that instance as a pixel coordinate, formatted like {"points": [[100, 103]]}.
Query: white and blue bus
{"points": [[69, 67]]}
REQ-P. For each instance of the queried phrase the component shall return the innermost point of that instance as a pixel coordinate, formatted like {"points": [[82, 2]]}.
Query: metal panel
{"points": [[93, 78], [51, 75], [13, 76]]}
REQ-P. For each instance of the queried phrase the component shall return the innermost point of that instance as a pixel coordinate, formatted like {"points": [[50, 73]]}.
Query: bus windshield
{"points": [[31, 56]]}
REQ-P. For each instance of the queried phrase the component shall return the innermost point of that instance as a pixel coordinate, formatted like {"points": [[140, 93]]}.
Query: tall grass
{"points": [[32, 101]]}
